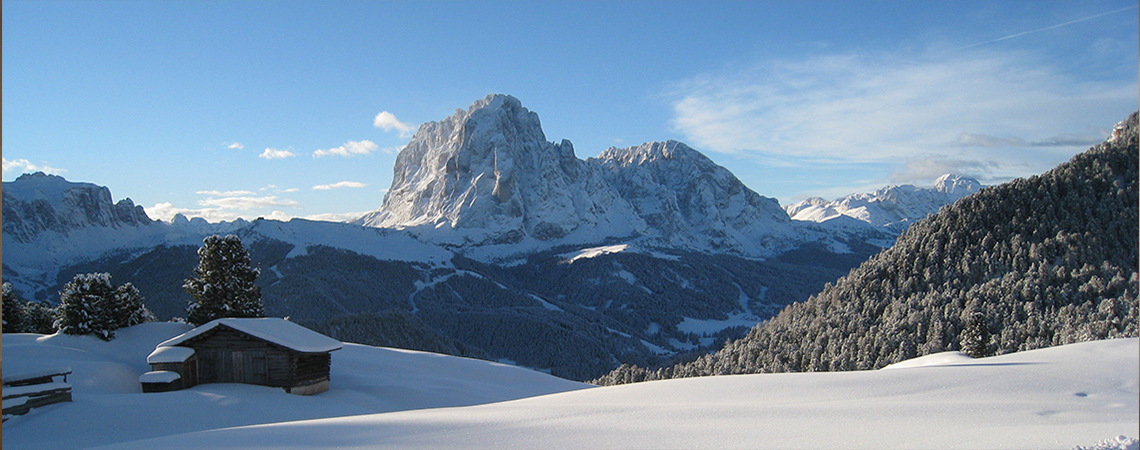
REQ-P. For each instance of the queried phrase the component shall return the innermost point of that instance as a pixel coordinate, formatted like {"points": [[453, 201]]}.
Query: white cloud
{"points": [[272, 153], [234, 145], [225, 193], [12, 167], [342, 184], [247, 202], [166, 212], [388, 122], [1003, 114], [349, 149]]}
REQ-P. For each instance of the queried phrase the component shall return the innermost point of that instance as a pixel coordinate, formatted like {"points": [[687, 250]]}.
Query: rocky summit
{"points": [[488, 175], [37, 202]]}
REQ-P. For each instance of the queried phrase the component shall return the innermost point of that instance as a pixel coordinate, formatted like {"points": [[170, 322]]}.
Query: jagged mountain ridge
{"points": [[487, 175], [894, 207], [39, 202]]}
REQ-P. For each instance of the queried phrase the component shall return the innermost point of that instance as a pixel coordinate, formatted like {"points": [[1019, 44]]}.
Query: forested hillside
{"points": [[1032, 263]]}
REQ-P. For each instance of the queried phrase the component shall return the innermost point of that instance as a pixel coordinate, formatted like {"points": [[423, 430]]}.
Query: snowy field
{"points": [[1065, 397]]}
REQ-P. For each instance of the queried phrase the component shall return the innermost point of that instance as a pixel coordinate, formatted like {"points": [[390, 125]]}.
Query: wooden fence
{"points": [[25, 391]]}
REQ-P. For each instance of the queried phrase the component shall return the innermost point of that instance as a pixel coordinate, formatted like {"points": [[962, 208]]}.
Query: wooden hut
{"points": [[265, 351]]}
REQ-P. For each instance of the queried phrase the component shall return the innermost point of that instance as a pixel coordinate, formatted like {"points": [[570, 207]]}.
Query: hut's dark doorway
{"points": [[235, 366]]}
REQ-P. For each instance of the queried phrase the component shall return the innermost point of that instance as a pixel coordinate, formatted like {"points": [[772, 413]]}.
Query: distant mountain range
{"points": [[894, 207], [494, 243]]}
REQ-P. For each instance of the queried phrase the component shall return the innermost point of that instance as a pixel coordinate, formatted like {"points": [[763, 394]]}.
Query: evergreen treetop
{"points": [[224, 283]]}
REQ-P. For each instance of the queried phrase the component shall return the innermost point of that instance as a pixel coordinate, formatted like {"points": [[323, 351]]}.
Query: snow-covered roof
{"points": [[272, 329], [159, 376], [169, 355]]}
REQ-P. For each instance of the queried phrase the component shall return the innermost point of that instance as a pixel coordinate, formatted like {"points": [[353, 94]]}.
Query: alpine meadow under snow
{"points": [[1074, 395]]}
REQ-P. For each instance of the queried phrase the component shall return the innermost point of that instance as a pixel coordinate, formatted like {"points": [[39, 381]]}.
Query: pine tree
{"points": [[128, 308], [15, 316], [39, 317], [224, 282], [976, 336], [85, 306]]}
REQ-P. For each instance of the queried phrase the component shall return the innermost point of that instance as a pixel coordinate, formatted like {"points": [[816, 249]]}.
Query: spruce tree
{"points": [[39, 317], [128, 308], [223, 284], [15, 316], [976, 336]]}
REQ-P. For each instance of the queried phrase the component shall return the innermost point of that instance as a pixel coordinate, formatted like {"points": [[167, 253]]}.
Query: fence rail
{"points": [[25, 391]]}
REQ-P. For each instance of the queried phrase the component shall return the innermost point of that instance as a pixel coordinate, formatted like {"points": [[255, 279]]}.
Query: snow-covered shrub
{"points": [[90, 304]]}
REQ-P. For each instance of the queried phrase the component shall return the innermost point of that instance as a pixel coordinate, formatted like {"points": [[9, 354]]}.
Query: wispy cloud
{"points": [[981, 140], [350, 148], [247, 202], [234, 145], [388, 122], [272, 153], [12, 167], [901, 109], [225, 193], [227, 206], [342, 184]]}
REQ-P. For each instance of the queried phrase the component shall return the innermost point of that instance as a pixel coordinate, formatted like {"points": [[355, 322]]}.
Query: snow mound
{"points": [[937, 359]]}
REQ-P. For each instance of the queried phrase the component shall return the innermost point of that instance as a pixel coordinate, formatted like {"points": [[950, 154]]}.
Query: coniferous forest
{"points": [[1032, 263]]}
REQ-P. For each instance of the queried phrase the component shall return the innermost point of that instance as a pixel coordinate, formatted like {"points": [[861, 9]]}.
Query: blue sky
{"points": [[227, 109]]}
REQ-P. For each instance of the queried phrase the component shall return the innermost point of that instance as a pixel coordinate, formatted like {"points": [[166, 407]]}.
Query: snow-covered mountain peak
{"points": [[654, 151], [39, 202], [893, 207], [956, 185], [50, 188], [487, 175]]}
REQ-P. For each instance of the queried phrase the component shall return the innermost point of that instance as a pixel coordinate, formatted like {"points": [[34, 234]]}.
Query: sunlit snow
{"points": [[1075, 395]]}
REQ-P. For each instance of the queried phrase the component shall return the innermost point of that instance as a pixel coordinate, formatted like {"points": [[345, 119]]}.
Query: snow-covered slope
{"points": [[1061, 397], [487, 176], [109, 407], [894, 207]]}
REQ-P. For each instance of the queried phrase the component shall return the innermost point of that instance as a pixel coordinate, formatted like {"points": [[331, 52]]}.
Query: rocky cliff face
{"points": [[35, 203], [685, 198], [893, 207], [489, 176]]}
